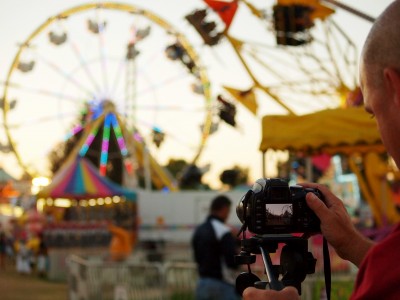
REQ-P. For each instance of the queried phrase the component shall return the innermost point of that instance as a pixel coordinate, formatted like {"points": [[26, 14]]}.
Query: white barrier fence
{"points": [[105, 280], [98, 279]]}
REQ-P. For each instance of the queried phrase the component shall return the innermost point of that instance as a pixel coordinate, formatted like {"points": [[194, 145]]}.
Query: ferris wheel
{"points": [[89, 58]]}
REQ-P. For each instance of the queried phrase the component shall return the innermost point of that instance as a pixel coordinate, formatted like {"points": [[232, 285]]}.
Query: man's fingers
{"points": [[317, 205], [320, 187], [329, 198], [288, 293]]}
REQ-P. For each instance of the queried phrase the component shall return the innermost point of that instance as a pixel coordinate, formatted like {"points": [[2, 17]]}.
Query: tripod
{"points": [[295, 262]]}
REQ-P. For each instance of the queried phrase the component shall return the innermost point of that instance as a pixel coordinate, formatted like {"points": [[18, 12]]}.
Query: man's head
{"points": [[380, 77], [220, 207]]}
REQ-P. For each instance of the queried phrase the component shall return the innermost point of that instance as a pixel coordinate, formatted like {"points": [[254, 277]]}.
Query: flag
{"points": [[226, 10], [247, 98]]}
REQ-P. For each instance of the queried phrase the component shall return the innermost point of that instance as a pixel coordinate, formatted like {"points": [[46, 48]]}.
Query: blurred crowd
{"points": [[28, 254]]}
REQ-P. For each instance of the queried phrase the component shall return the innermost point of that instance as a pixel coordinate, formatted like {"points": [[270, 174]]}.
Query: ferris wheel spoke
{"points": [[168, 134], [42, 92], [311, 74], [265, 47], [118, 76], [279, 62], [266, 66], [79, 56], [168, 108], [40, 120], [65, 75], [330, 53], [153, 58], [163, 83], [346, 54], [117, 80], [255, 50], [102, 54], [303, 86], [139, 72], [129, 65], [281, 77]]}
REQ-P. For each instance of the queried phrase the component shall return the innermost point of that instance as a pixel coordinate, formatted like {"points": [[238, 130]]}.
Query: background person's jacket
{"points": [[214, 250]]}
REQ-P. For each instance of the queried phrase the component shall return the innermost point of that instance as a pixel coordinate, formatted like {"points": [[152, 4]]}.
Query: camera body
{"points": [[271, 206]]}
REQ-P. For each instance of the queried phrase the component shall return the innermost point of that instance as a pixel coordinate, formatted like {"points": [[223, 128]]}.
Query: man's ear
{"points": [[392, 81]]}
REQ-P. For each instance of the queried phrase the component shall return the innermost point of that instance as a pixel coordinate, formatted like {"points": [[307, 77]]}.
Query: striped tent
{"points": [[80, 179]]}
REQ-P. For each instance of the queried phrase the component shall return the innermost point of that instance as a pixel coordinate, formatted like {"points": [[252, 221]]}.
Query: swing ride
{"points": [[300, 59]]}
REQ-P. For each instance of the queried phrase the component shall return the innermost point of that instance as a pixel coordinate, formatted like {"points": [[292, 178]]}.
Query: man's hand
{"points": [[288, 293], [336, 225]]}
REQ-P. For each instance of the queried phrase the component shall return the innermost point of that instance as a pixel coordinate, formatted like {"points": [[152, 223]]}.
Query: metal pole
{"points": [[351, 10], [147, 168], [263, 165], [309, 169]]}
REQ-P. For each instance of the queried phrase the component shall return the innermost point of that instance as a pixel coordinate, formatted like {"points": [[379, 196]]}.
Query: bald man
{"points": [[379, 267]]}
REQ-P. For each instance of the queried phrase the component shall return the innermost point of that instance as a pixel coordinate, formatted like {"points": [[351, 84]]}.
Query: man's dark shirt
{"points": [[214, 248]]}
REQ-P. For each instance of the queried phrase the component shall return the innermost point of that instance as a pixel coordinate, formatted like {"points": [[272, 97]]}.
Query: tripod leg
{"points": [[274, 283]]}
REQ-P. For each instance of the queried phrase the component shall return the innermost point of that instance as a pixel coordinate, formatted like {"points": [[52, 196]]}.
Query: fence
{"points": [[97, 279]]}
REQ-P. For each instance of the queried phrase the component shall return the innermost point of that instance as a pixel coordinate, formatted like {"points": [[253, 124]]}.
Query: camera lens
{"points": [[240, 210]]}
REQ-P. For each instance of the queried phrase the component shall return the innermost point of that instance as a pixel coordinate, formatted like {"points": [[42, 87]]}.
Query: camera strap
{"points": [[327, 268]]}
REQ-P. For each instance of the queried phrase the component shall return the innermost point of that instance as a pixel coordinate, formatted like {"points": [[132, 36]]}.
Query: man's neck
{"points": [[213, 216]]}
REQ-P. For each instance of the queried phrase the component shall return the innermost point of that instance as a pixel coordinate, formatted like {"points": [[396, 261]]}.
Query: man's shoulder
{"points": [[220, 228], [203, 228]]}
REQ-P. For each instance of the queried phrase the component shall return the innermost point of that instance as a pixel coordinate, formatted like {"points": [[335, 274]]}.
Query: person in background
{"points": [[23, 258], [121, 245], [42, 258], [214, 249], [32, 244], [3, 244], [378, 273]]}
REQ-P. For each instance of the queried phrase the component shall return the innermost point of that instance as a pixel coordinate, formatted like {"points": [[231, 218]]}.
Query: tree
{"points": [[176, 166], [189, 175], [235, 176]]}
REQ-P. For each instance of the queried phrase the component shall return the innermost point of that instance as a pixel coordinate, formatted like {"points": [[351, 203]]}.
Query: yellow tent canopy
{"points": [[347, 131], [333, 131]]}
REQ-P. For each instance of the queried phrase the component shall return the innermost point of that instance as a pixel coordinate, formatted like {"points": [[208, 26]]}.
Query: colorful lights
{"points": [[74, 131], [88, 142], [104, 145], [121, 143], [118, 134], [110, 122], [65, 203]]}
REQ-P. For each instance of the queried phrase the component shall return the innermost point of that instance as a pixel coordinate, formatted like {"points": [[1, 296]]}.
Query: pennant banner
{"points": [[247, 98], [225, 10]]}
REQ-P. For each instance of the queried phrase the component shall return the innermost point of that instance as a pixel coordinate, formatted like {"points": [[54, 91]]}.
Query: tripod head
{"points": [[295, 262]]}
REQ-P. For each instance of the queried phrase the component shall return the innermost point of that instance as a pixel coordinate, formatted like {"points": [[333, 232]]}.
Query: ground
{"points": [[14, 286]]}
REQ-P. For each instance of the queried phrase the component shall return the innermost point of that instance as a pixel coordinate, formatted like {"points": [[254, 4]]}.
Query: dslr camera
{"points": [[273, 210], [271, 206]]}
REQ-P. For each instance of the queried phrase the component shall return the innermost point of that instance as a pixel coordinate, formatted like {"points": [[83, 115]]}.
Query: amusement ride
{"points": [[130, 73]]}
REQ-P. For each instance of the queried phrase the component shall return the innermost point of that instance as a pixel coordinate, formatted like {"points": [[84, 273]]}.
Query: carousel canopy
{"points": [[330, 131], [81, 180]]}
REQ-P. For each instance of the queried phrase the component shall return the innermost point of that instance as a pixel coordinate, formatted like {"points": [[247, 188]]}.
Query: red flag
{"points": [[226, 10]]}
